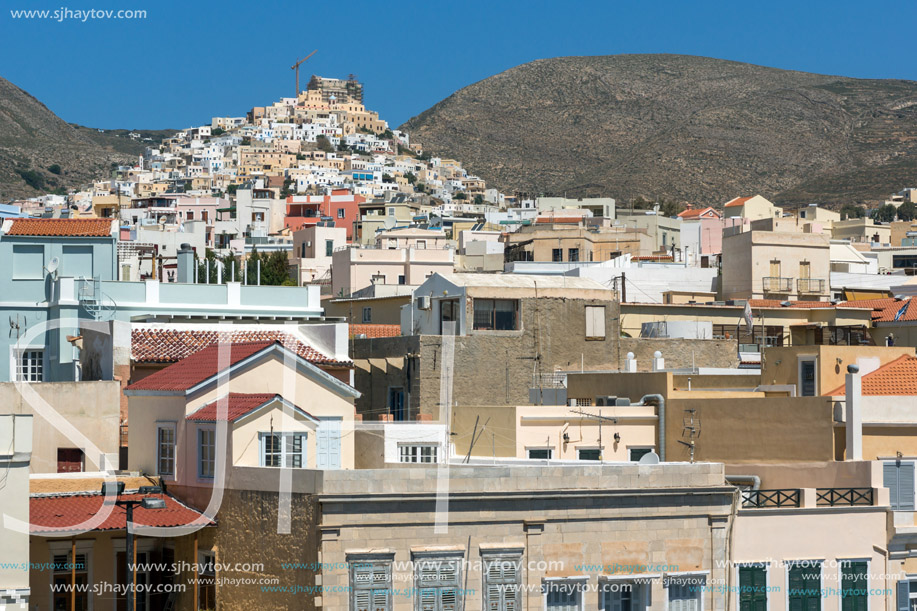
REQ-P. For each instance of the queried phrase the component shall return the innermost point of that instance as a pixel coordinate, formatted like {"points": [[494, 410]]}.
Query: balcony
{"points": [[775, 284], [810, 286]]}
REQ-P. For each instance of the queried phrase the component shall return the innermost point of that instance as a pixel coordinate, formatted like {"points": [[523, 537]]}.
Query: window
{"points": [[402, 279], [165, 449], [635, 454], [685, 592], [623, 596], [206, 452], [420, 244], [287, 449], [29, 365], [391, 212], [437, 582], [370, 583], [854, 585], [907, 595], [595, 322], [495, 314], [302, 250], [418, 453], [449, 311], [392, 243], [378, 279], [340, 213], [557, 254], [540, 453], [563, 595], [502, 582], [775, 268], [69, 460], [329, 247], [753, 588], [573, 254], [63, 573], [589, 454], [190, 215], [28, 262], [804, 592], [207, 581], [898, 477], [367, 315]]}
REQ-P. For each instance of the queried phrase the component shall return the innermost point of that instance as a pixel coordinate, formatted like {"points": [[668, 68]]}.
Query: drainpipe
{"points": [[854, 400], [660, 403]]}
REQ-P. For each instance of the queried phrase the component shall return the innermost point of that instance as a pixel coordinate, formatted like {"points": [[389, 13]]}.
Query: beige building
{"points": [[771, 265], [562, 241], [313, 249], [355, 268], [751, 208], [861, 230]]}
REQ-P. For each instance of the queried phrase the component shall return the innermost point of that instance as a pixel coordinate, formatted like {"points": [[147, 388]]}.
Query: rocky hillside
{"points": [[690, 129], [39, 152]]}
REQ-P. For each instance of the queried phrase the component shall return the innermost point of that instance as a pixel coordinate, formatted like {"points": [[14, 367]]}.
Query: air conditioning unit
{"points": [[605, 401], [308, 243], [423, 302]]}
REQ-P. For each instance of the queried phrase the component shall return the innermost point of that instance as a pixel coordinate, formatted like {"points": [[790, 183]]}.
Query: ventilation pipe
{"points": [[630, 363], [853, 399], [659, 400], [754, 480], [185, 264], [658, 361]]}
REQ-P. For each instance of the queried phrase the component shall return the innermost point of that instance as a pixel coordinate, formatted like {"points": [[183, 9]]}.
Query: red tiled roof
{"points": [[237, 405], [737, 201], [198, 367], [898, 377], [375, 330], [886, 308], [94, 228], [698, 212], [173, 345], [653, 258], [66, 513]]}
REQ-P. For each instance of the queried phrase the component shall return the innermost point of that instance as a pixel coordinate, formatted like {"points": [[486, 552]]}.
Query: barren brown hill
{"points": [[39, 152], [686, 128]]}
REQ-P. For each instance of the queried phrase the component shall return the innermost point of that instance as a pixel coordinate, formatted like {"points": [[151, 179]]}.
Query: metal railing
{"points": [[776, 284], [810, 285], [846, 497], [759, 499]]}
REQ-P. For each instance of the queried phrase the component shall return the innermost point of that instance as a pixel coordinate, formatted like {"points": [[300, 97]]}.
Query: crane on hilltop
{"points": [[295, 67]]}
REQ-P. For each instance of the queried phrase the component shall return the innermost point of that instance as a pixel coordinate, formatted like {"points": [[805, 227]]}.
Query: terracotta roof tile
{"points": [[173, 345], [698, 212], [739, 201], [95, 228], [887, 308], [66, 513], [898, 377], [377, 330], [198, 367], [237, 405]]}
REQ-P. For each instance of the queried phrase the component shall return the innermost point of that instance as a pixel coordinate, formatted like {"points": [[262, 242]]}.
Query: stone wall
{"points": [[678, 353]]}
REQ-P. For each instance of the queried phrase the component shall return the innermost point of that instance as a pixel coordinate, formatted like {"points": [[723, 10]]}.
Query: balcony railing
{"points": [[775, 284], [847, 497], [810, 286], [759, 499]]}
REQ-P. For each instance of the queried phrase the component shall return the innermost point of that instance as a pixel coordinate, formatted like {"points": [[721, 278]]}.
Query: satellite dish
{"points": [[650, 458], [389, 222], [53, 265]]}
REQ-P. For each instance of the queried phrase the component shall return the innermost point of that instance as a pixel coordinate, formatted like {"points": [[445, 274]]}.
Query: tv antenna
{"points": [[690, 430]]}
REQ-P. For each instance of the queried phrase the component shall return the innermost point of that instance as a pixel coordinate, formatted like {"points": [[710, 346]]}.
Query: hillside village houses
{"points": [[324, 369]]}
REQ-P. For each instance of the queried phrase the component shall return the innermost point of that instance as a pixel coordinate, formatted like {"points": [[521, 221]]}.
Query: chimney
{"points": [[185, 264], [854, 402], [630, 363], [658, 361]]}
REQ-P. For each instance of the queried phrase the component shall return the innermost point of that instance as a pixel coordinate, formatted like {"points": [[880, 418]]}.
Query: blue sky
{"points": [[190, 60]]}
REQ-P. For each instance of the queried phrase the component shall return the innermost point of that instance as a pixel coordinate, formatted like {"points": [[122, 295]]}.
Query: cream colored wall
{"points": [[747, 257], [636, 425], [781, 365], [830, 535], [101, 567], [246, 448], [143, 414]]}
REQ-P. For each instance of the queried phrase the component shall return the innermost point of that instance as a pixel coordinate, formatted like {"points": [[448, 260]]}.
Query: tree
{"points": [[32, 178], [55, 169], [420, 187], [479, 200], [460, 195], [884, 214], [217, 131], [324, 144], [409, 176], [287, 187], [852, 211], [907, 211]]}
